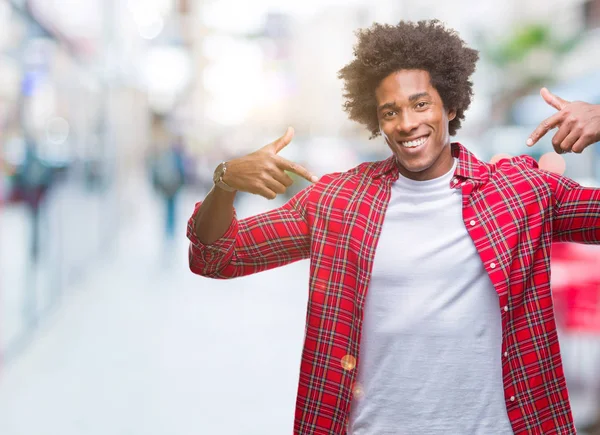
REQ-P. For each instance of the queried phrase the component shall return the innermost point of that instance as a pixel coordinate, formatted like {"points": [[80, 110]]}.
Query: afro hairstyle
{"points": [[383, 49]]}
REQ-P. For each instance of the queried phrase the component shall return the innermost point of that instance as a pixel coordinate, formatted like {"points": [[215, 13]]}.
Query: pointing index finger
{"points": [[546, 125], [297, 169]]}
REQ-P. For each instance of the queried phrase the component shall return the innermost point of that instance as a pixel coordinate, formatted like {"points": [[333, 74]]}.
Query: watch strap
{"points": [[218, 179]]}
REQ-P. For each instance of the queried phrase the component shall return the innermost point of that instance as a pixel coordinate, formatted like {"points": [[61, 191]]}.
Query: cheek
{"points": [[386, 129]]}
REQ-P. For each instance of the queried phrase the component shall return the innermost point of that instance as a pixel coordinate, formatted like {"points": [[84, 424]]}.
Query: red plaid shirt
{"points": [[513, 212]]}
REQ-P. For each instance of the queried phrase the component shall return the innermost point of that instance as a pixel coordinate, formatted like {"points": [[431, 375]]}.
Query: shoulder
{"points": [[338, 189], [523, 166], [517, 163], [524, 170], [352, 177]]}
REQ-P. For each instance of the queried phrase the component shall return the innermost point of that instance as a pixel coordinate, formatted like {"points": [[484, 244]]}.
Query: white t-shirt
{"points": [[430, 356]]}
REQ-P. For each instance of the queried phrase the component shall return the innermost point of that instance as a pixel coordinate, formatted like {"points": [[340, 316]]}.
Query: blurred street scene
{"points": [[113, 116]]}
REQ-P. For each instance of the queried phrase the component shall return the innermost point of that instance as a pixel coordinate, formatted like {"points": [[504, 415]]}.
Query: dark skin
{"points": [[578, 124], [409, 109], [262, 172]]}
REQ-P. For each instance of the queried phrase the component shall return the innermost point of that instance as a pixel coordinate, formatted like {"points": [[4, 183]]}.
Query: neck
{"points": [[439, 167]]}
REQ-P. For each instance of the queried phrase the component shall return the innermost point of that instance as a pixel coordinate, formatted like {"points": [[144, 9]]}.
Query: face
{"points": [[414, 123]]}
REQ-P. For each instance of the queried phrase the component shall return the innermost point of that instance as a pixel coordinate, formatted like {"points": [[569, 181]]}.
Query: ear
{"points": [[451, 114]]}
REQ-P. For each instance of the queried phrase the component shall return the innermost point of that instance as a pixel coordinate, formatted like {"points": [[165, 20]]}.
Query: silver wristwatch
{"points": [[218, 178]]}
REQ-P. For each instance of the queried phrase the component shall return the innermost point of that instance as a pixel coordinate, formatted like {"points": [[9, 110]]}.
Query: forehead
{"points": [[400, 85]]}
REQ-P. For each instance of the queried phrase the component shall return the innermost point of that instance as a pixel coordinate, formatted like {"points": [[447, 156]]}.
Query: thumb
{"points": [[553, 100], [283, 141]]}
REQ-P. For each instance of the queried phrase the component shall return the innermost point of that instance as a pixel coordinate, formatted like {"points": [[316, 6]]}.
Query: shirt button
{"points": [[506, 308], [472, 223], [454, 181], [512, 398], [493, 265], [505, 354]]}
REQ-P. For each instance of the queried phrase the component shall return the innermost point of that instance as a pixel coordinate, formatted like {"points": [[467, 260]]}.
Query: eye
{"points": [[421, 105], [389, 114]]}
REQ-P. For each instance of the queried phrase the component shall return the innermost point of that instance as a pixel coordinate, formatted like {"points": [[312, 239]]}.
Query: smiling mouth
{"points": [[414, 143]]}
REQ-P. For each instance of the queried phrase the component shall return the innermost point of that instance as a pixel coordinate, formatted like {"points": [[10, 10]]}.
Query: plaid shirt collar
{"points": [[469, 166]]}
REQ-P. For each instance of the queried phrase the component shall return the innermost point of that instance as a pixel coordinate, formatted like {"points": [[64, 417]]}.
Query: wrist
{"points": [[222, 194], [218, 178]]}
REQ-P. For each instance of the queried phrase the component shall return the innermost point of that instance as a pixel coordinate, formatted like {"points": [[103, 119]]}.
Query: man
{"points": [[429, 309], [168, 178]]}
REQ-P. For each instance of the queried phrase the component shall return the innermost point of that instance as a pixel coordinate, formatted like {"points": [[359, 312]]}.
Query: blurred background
{"points": [[113, 115]]}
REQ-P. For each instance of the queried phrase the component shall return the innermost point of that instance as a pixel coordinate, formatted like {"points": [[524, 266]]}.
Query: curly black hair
{"points": [[427, 45]]}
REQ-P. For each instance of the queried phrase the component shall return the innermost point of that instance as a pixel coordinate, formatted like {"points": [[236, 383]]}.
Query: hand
{"points": [[578, 122], [263, 171]]}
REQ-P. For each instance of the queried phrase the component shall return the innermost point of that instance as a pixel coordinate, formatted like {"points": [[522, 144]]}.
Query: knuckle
{"points": [[275, 161], [269, 163], [271, 169]]}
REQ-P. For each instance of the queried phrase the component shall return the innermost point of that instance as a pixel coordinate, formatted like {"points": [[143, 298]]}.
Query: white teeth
{"points": [[414, 143]]}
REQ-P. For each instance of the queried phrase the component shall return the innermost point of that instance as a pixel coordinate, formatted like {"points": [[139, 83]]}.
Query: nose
{"points": [[407, 122]]}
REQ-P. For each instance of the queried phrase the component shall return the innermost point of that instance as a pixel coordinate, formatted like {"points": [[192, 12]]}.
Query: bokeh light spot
{"points": [[358, 391], [349, 363], [57, 130]]}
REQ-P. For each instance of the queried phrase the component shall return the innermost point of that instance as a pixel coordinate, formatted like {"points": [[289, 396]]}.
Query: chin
{"points": [[414, 167]]}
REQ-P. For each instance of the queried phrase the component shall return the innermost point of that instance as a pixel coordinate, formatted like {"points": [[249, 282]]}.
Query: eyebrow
{"points": [[413, 97], [386, 106]]}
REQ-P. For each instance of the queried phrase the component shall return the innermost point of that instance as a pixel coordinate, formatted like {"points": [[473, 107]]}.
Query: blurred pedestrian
{"points": [[430, 308], [32, 180], [168, 177]]}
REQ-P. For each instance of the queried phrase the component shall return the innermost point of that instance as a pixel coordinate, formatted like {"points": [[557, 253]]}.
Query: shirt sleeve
{"points": [[265, 241], [576, 214]]}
